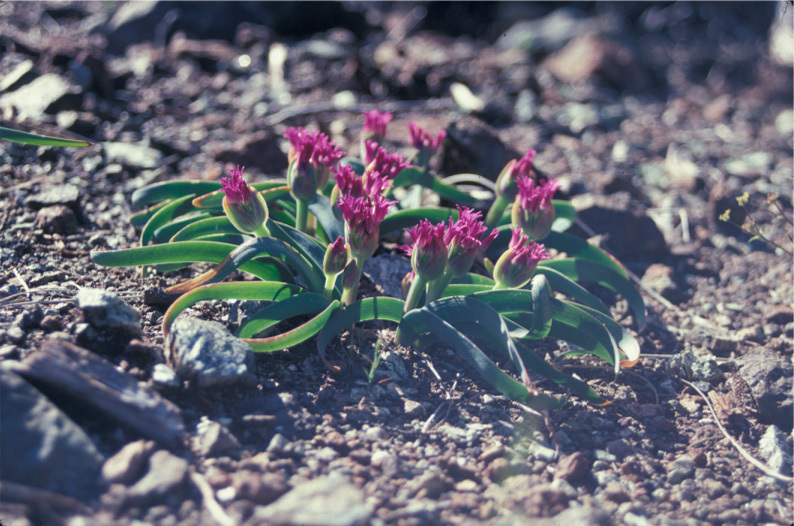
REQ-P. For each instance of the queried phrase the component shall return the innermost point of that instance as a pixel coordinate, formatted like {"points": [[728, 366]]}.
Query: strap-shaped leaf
{"points": [[411, 176], [205, 227], [154, 193], [580, 249], [628, 345], [166, 214], [295, 336], [305, 245], [578, 327], [590, 271], [306, 303], [369, 309], [409, 218], [240, 290], [464, 289], [179, 252], [564, 285], [139, 219], [419, 322], [474, 279], [322, 210], [36, 139], [254, 248], [167, 231]]}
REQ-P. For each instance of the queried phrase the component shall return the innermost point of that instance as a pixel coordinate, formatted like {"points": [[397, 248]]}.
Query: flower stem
{"points": [[349, 295], [496, 211], [437, 287], [330, 282], [414, 293], [301, 214], [262, 231]]}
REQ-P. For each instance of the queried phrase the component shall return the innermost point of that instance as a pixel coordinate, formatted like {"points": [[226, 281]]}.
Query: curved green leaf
{"points": [[154, 193], [582, 250], [270, 190], [239, 290], [205, 227], [411, 176], [307, 246], [167, 231], [306, 303], [409, 218], [563, 284], [628, 345], [139, 219], [578, 327], [179, 252], [369, 309], [36, 139], [164, 215], [322, 210], [590, 271], [295, 336], [465, 289]]}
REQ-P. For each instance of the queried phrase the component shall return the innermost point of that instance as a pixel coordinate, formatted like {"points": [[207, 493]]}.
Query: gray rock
{"points": [[164, 376], [213, 439], [133, 155], [40, 446], [49, 93], [66, 194], [775, 451], [127, 465], [57, 219], [104, 310], [325, 501], [165, 476], [205, 353], [680, 470], [388, 270], [553, 31], [769, 376]]}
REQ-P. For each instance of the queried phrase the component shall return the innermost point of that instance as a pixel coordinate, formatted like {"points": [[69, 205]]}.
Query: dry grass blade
{"points": [[210, 503]]}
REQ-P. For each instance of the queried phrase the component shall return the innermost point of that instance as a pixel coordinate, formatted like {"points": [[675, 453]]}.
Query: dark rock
{"points": [[214, 440], [40, 446], [579, 515], [473, 146], [769, 376], [592, 55], [387, 271], [51, 323], [259, 488], [572, 468], [57, 219], [325, 501], [104, 310], [29, 319], [91, 381], [780, 314], [260, 150], [48, 93], [631, 236], [165, 476], [553, 31], [127, 465], [66, 195], [205, 353]]}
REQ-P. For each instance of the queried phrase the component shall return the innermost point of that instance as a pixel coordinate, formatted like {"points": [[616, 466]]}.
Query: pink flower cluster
{"points": [[312, 147], [523, 252], [523, 167], [235, 187], [377, 160], [363, 207], [375, 124], [534, 196], [421, 139], [428, 249]]}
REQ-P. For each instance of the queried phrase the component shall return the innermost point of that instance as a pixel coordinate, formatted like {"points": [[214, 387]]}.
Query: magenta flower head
{"points": [[362, 217], [349, 183], [311, 156], [533, 211], [377, 160], [516, 266], [464, 240], [335, 257], [425, 144], [244, 206], [506, 182], [375, 125], [427, 249]]}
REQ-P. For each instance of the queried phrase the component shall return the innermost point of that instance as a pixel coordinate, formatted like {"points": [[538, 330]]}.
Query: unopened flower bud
{"points": [[515, 267], [335, 257], [350, 275], [428, 251], [533, 211], [244, 206]]}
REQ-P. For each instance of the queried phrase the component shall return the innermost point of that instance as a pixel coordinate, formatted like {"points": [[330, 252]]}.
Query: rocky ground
{"points": [[655, 118]]}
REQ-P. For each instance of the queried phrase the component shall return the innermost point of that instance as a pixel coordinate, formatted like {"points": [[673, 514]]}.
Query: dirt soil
{"points": [[654, 117]]}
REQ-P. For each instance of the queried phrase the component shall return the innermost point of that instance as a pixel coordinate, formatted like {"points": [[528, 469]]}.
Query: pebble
{"points": [[166, 474], [572, 468], [681, 469], [769, 377], [204, 352], [47, 93], [259, 488], [164, 376], [66, 195], [104, 310], [127, 465], [774, 449], [412, 408], [324, 501], [137, 156], [56, 219], [279, 444], [212, 439]]}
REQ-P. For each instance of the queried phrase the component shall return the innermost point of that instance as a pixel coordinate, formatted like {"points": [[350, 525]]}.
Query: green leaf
{"points": [[164, 215], [305, 245], [419, 322], [627, 344], [474, 279], [322, 210], [239, 290], [564, 285], [270, 190], [205, 227], [409, 218], [154, 193], [369, 309], [36, 139], [295, 336], [167, 231], [139, 219], [465, 289], [582, 250], [590, 271], [179, 252], [306, 303], [578, 327], [413, 175]]}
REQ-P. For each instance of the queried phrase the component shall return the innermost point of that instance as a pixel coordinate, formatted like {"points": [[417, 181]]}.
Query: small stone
{"points": [[104, 310], [165, 476], [133, 155], [279, 444], [495, 451], [164, 376], [51, 323], [769, 377], [412, 408], [259, 488], [375, 434], [66, 195], [15, 335], [127, 465], [680, 470], [573, 467], [204, 352], [56, 219], [780, 314], [226, 495], [48, 93], [213, 439], [774, 449], [500, 469], [615, 492]]}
